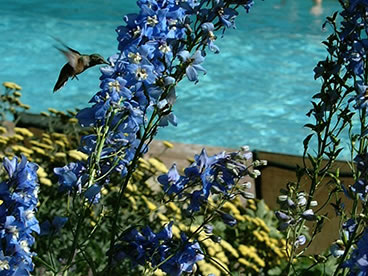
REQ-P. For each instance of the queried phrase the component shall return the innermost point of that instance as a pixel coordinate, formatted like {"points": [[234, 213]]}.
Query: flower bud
{"points": [[254, 173], [282, 198], [208, 229], [308, 215], [228, 219], [337, 249], [247, 185], [283, 226], [247, 195], [282, 216], [216, 239], [302, 201], [300, 240], [291, 203]]}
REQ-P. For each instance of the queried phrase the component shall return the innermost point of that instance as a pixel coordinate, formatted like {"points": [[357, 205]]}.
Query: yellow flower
{"points": [[251, 252], [44, 114], [2, 130], [25, 132], [19, 148], [239, 217], [190, 160], [73, 120], [58, 135], [173, 207], [25, 106], [222, 266], [39, 150], [61, 113], [167, 144], [164, 218], [134, 202], [45, 181], [1, 202], [41, 172], [248, 264], [228, 205], [77, 155], [150, 205], [52, 110], [159, 272], [46, 135], [17, 94], [139, 174], [41, 145], [60, 155], [158, 165], [131, 188], [47, 141], [17, 137], [207, 268], [3, 141], [229, 248], [60, 143], [221, 256], [12, 85], [143, 161]]}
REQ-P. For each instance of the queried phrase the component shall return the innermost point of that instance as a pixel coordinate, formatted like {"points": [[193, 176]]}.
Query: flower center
{"points": [[164, 48], [152, 20], [114, 85], [141, 74], [4, 265], [135, 58]]}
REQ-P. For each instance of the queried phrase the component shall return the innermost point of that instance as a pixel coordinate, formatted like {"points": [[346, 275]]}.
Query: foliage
{"points": [[339, 106], [111, 214]]}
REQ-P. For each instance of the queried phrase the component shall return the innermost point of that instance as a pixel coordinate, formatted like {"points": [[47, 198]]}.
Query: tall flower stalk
{"points": [[339, 105], [163, 43], [18, 201]]}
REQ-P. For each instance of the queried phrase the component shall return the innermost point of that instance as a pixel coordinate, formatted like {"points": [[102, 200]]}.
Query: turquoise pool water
{"points": [[256, 92]]}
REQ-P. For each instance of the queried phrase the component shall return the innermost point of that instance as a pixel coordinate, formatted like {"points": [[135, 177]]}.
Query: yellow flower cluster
{"points": [[158, 165], [277, 246], [42, 176], [23, 131], [217, 252], [149, 204], [12, 85], [12, 96], [250, 252]]}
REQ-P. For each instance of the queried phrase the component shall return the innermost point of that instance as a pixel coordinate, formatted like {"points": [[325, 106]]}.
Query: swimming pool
{"points": [[256, 92]]}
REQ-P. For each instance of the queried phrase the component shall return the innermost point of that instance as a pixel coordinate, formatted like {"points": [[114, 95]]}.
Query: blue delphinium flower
{"points": [[184, 259], [207, 175], [18, 221], [173, 256], [172, 182], [156, 49], [360, 186], [358, 261], [70, 176], [192, 63]]}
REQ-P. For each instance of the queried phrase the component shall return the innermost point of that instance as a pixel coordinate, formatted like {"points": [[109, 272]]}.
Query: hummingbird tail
{"points": [[65, 73]]}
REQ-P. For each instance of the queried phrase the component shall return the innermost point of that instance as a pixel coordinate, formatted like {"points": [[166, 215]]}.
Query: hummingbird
{"points": [[77, 63]]}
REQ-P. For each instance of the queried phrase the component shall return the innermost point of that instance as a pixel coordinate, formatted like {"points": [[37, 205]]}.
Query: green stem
{"points": [[122, 190]]}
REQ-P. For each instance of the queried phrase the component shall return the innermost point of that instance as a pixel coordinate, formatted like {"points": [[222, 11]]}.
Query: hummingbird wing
{"points": [[71, 55], [66, 72]]}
